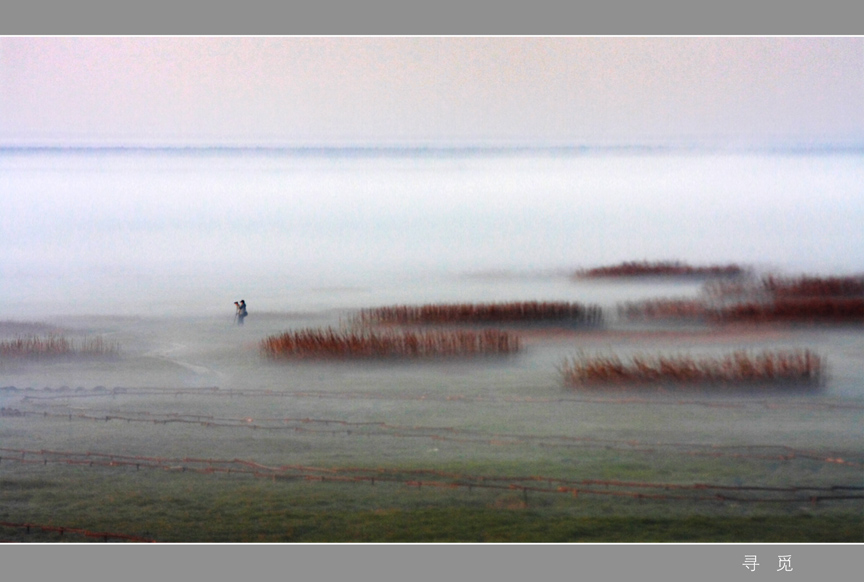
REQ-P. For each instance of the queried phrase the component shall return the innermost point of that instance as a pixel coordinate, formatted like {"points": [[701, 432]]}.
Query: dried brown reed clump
{"points": [[807, 286], [737, 368], [662, 268], [774, 287], [789, 299], [56, 346], [482, 313], [663, 309], [366, 344], [810, 309]]}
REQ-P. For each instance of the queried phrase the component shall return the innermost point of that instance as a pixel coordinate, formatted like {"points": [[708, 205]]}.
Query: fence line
{"points": [[451, 434], [65, 394], [440, 479], [105, 536]]}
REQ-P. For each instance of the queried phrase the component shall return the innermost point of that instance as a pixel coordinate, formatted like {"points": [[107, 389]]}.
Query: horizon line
{"points": [[374, 148]]}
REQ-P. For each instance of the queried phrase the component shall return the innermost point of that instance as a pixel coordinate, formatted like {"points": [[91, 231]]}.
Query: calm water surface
{"points": [[190, 232]]}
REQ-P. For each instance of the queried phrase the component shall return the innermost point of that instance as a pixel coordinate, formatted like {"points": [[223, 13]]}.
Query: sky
{"points": [[89, 232], [394, 91]]}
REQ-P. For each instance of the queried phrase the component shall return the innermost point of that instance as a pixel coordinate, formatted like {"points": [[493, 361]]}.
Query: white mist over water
{"points": [[170, 232]]}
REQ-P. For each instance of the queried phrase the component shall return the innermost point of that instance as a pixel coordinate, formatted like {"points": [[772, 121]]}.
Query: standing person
{"points": [[237, 313], [241, 312]]}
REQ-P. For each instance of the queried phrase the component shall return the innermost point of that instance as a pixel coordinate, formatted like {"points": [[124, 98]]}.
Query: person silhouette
{"points": [[241, 312]]}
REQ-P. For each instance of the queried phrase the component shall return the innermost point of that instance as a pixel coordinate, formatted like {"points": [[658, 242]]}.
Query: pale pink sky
{"points": [[392, 90]]}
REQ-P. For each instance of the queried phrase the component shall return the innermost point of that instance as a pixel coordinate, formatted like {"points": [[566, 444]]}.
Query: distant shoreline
{"points": [[432, 150]]}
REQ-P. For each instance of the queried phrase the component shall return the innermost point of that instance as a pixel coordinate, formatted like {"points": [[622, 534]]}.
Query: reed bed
{"points": [[661, 268], [726, 290], [807, 286], [770, 299], [58, 346], [366, 344], [772, 286], [738, 368], [663, 309], [480, 313], [811, 309]]}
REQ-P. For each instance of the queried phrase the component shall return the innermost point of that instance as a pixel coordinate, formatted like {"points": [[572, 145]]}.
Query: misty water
{"points": [[149, 249], [189, 232]]}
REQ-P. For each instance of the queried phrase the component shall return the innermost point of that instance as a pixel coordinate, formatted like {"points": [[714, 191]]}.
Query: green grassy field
{"points": [[489, 451], [201, 508]]}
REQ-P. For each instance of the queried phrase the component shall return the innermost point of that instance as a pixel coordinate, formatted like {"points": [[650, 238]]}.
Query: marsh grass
{"points": [[812, 286], [333, 343], [663, 309], [736, 369], [751, 309], [769, 299], [58, 347], [481, 313], [794, 309]]}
